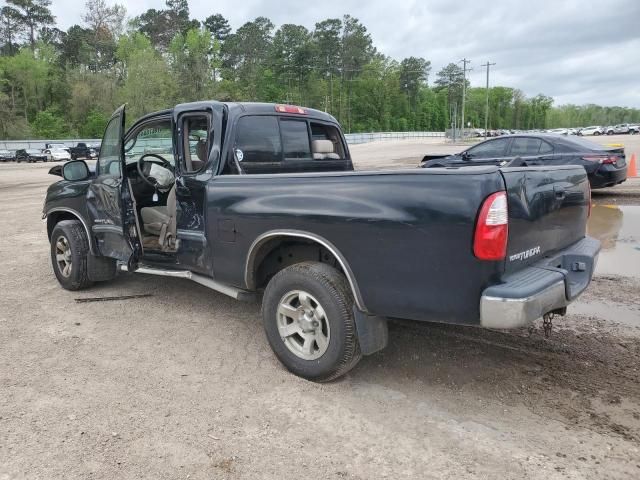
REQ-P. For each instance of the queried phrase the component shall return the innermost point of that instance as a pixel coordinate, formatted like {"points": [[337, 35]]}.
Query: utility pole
{"points": [[486, 106], [464, 89]]}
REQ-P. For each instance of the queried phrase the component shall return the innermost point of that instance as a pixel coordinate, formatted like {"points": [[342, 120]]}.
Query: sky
{"points": [[574, 51]]}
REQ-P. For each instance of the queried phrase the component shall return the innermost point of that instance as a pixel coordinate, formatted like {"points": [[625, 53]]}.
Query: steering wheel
{"points": [[145, 169]]}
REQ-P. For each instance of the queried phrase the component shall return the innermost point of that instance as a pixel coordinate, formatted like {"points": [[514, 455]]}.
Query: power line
{"points": [[486, 107]]}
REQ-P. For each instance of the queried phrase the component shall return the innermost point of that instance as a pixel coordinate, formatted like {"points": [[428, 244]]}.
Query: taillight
{"points": [[602, 159], [492, 228]]}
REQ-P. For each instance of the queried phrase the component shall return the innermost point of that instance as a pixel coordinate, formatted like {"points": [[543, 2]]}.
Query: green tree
{"points": [[147, 85], [450, 79], [218, 26], [246, 55], [94, 125], [191, 56], [161, 26], [50, 124], [413, 76], [31, 15], [291, 59], [10, 29]]}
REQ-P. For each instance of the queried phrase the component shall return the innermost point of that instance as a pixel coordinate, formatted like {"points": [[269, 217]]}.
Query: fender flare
{"points": [[76, 214], [262, 239]]}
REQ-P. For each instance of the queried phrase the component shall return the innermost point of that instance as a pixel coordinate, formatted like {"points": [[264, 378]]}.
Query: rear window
{"points": [[295, 140], [258, 140], [579, 143]]}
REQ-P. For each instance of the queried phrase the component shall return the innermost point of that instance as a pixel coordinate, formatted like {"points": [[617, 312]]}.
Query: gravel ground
{"points": [[183, 384]]}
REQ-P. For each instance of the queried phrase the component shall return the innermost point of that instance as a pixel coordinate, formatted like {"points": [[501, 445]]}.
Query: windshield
{"points": [[152, 138]]}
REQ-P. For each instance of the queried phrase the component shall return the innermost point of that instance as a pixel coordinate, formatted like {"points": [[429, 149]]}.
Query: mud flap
{"points": [[100, 269], [373, 332]]}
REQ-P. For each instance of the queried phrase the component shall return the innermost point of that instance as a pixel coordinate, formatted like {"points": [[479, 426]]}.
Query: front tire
{"points": [[307, 313], [69, 255]]}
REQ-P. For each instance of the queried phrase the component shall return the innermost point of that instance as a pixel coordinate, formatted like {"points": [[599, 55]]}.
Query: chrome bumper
{"points": [[499, 312], [541, 288]]}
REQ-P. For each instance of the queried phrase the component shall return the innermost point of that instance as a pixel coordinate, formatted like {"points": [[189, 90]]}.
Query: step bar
{"points": [[236, 293]]}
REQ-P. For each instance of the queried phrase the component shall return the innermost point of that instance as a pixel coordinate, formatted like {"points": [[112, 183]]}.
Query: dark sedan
{"points": [[605, 166], [7, 156], [30, 155]]}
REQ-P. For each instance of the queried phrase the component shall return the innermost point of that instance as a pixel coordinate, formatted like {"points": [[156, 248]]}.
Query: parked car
{"points": [[605, 166], [57, 153], [593, 130], [82, 150], [261, 202], [56, 146], [559, 131], [7, 156], [30, 155], [621, 129], [634, 129]]}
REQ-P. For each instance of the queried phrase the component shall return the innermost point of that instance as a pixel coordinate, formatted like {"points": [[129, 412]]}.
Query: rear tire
{"points": [[69, 255], [595, 134], [307, 313]]}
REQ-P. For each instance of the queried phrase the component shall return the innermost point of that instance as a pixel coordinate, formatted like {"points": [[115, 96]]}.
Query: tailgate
{"points": [[548, 210]]}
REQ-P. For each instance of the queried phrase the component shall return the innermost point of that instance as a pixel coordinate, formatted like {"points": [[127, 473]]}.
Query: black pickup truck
{"points": [[82, 150], [260, 201]]}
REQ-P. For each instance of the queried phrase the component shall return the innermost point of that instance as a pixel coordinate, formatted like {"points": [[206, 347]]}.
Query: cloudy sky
{"points": [[579, 52]]}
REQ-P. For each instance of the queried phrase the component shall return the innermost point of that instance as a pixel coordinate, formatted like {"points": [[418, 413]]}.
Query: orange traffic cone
{"points": [[632, 171]]}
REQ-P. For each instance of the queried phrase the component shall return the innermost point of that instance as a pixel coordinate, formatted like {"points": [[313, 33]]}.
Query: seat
{"points": [[324, 150], [161, 221]]}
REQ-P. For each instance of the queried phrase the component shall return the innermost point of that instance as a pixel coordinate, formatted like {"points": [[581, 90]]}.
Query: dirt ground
{"points": [[183, 385]]}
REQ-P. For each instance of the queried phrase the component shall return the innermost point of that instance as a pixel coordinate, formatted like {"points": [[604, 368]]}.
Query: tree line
{"points": [[57, 84]]}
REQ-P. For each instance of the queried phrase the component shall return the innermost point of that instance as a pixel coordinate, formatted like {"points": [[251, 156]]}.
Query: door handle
{"points": [[559, 191]]}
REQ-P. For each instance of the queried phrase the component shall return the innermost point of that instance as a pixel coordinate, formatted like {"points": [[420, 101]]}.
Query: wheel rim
{"points": [[303, 325], [63, 256]]}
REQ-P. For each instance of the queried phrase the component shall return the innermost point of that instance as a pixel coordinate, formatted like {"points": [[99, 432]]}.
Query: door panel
{"points": [[106, 196], [194, 171]]}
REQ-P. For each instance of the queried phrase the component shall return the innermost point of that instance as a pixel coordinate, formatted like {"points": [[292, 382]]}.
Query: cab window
{"points": [[196, 143], [295, 139], [258, 140]]}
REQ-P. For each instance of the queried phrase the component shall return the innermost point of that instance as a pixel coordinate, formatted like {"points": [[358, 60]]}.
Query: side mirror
{"points": [[466, 156], [75, 171], [57, 170]]}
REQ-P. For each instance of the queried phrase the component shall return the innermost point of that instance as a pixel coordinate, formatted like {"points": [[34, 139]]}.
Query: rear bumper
{"points": [[544, 287], [607, 176]]}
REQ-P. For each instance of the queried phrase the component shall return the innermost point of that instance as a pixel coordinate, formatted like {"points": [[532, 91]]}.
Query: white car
{"points": [[593, 130], [559, 131], [55, 153]]}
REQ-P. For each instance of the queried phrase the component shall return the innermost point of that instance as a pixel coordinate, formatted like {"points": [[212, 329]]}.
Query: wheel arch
{"points": [[58, 214], [270, 242]]}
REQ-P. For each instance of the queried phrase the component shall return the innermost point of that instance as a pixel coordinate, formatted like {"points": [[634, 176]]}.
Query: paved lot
{"points": [[183, 385]]}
